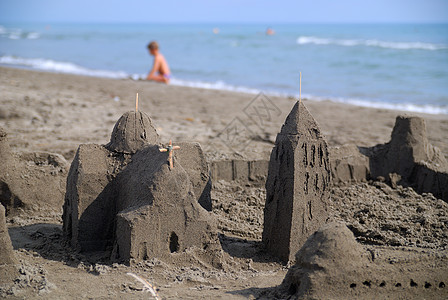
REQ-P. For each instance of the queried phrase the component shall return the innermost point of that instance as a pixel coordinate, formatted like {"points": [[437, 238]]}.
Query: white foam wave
{"points": [[60, 67], [220, 85], [304, 40], [427, 109], [17, 33], [14, 36], [217, 85], [33, 35]]}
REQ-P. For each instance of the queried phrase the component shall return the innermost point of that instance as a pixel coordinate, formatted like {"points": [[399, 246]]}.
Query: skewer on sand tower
{"points": [[136, 102], [297, 186], [170, 150]]}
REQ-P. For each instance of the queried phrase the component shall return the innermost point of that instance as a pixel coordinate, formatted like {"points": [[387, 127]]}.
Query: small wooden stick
{"points": [[300, 88], [136, 102], [170, 149]]}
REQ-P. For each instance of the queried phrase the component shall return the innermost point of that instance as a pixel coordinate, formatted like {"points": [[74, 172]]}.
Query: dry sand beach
{"points": [[403, 235], [56, 113]]}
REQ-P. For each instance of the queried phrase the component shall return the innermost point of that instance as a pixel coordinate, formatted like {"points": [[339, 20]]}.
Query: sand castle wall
{"points": [[408, 159], [159, 212], [192, 159], [8, 260], [30, 180], [347, 165], [90, 198], [240, 170]]}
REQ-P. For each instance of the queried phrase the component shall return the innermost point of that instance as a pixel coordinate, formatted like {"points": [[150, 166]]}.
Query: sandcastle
{"points": [[124, 196], [8, 260], [297, 187], [409, 159], [30, 180]]}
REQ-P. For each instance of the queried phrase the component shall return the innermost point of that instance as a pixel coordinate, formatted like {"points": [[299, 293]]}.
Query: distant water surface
{"points": [[387, 66]]}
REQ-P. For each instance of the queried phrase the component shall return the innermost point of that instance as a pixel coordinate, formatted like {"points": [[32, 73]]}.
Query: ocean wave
{"points": [[59, 67], [409, 107], [220, 85], [33, 35], [304, 40], [17, 33], [217, 85]]}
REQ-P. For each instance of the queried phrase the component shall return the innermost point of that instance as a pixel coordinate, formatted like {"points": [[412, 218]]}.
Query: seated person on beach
{"points": [[160, 71]]}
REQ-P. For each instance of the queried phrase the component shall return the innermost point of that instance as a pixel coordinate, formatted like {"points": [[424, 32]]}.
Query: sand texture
{"points": [[381, 238]]}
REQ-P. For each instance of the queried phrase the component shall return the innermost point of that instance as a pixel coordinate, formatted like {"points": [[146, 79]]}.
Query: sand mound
{"points": [[30, 180], [330, 241], [330, 255], [8, 260], [332, 265]]}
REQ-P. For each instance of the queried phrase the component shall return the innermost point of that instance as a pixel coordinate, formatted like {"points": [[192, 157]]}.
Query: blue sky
{"points": [[235, 11]]}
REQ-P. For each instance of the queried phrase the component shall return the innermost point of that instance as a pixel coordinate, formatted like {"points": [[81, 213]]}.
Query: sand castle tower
{"points": [[409, 159], [132, 132], [408, 146], [297, 185], [126, 178]]}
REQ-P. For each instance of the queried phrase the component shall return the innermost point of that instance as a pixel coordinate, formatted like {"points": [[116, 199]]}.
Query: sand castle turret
{"points": [[132, 132], [124, 195], [408, 146], [409, 159], [297, 185]]}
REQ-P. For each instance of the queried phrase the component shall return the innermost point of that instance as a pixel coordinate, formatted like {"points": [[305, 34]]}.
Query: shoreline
{"points": [[65, 110], [58, 67]]}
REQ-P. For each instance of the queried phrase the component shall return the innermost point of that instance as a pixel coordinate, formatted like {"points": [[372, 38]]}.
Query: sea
{"points": [[390, 66]]}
